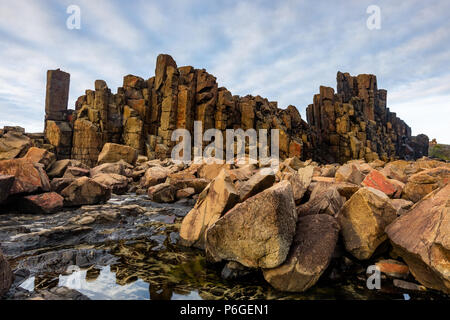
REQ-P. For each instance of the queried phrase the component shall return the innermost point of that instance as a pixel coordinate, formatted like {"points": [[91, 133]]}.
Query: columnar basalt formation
{"points": [[353, 123]]}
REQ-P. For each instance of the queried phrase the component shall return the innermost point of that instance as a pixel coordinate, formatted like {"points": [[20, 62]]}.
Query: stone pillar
{"points": [[57, 96]]}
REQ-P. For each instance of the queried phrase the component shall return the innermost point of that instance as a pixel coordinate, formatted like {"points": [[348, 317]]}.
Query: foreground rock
{"points": [[113, 152], [6, 275], [41, 156], [423, 183], [29, 177], [162, 193], [257, 232], [219, 197], [85, 191], [363, 219], [310, 254], [14, 145], [45, 203], [117, 183], [257, 183], [422, 238]]}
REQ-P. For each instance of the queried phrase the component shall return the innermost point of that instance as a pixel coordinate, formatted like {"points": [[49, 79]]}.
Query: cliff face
{"points": [[352, 124]]}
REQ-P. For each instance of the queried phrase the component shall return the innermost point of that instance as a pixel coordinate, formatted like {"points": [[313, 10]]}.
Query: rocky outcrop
{"points": [[257, 232], [422, 238], [310, 254], [363, 219]]}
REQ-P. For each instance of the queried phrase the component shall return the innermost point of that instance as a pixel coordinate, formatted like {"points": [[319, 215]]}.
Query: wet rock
{"points": [[257, 232], [6, 275], [234, 270], [41, 156], [257, 183], [155, 175], [6, 183], [309, 256], [29, 177], [59, 294], [324, 200], [393, 268], [162, 193], [84, 191], [113, 152], [14, 145], [349, 173], [377, 180], [219, 197], [423, 183], [45, 203], [117, 183], [421, 238], [363, 219]]}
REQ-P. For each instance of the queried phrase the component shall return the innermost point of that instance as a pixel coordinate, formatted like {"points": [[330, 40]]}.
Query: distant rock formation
{"points": [[352, 124]]}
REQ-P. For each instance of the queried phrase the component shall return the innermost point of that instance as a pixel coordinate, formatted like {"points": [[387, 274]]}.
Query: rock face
{"points": [[310, 254], [85, 191], [29, 177], [422, 238], [6, 275], [355, 123], [112, 152], [45, 203], [257, 232], [219, 197], [363, 219]]}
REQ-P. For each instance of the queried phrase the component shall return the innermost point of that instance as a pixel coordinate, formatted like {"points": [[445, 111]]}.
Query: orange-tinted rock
{"points": [[424, 182], [45, 203], [378, 181], [393, 268], [29, 177], [41, 156]]}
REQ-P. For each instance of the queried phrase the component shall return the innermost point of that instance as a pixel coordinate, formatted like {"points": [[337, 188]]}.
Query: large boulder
{"points": [[14, 145], [85, 191], [257, 183], [154, 176], [379, 181], [324, 200], [6, 275], [58, 169], [424, 182], [113, 152], [117, 183], [300, 181], [349, 173], [59, 184], [257, 232], [29, 177], [162, 193], [41, 156], [45, 203], [363, 219], [310, 254], [218, 197], [75, 173], [6, 182], [210, 171], [422, 238], [120, 167]]}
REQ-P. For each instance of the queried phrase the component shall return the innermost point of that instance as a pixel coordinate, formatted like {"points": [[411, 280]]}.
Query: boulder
{"points": [[363, 219], [75, 172], [293, 163], [349, 173], [154, 176], [29, 177], [6, 275], [257, 183], [41, 156], [120, 167], [345, 189], [218, 197], [257, 232], [58, 169], [393, 268], [242, 174], [300, 181], [44, 203], [399, 170], [6, 183], [197, 184], [59, 184], [117, 183], [323, 200], [85, 191], [162, 193], [401, 205], [14, 145], [377, 180], [185, 193], [422, 238], [113, 152], [310, 254], [423, 183], [211, 171]]}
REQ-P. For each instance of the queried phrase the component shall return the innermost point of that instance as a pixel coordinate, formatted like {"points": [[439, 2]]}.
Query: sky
{"points": [[281, 50]]}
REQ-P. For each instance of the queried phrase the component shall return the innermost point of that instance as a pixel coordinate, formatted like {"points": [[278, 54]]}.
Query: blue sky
{"points": [[282, 50]]}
